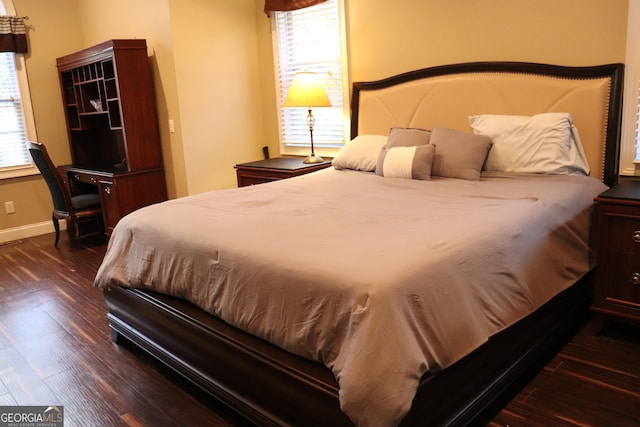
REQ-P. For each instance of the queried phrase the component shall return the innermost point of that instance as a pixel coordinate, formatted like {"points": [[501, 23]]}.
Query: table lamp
{"points": [[307, 90]]}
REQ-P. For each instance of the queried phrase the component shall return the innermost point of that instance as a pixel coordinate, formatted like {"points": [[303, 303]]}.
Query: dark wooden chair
{"points": [[76, 210]]}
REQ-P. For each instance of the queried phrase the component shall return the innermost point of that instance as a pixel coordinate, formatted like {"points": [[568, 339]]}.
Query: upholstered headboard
{"points": [[447, 95]]}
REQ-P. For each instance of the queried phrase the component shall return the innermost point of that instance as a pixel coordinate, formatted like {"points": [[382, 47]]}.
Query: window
{"points": [[312, 39], [630, 144], [16, 117], [12, 131]]}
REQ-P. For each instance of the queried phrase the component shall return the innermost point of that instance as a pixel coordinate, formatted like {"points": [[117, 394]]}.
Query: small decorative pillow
{"points": [[403, 137], [543, 143], [459, 154], [406, 162], [361, 153], [407, 137]]}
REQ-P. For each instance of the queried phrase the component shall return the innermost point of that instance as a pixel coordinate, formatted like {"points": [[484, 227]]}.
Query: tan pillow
{"points": [[403, 137], [459, 154], [407, 137], [406, 162]]}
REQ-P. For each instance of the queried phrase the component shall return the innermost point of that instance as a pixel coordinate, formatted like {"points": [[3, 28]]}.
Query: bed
{"points": [[354, 295]]}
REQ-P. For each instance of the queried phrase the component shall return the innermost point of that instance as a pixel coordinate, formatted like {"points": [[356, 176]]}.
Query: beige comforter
{"points": [[379, 279]]}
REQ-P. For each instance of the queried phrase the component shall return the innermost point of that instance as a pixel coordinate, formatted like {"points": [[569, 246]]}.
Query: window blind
{"points": [[637, 124], [630, 138], [13, 152], [309, 39]]}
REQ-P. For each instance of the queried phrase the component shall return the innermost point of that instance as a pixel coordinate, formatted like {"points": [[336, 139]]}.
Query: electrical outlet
{"points": [[8, 206]]}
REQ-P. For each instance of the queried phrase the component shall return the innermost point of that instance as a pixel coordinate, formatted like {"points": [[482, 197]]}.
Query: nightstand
{"points": [[274, 169], [617, 292]]}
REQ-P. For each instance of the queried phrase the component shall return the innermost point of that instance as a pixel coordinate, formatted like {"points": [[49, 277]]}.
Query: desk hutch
{"points": [[112, 126]]}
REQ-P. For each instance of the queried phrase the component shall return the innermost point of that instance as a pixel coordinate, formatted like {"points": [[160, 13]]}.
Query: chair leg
{"points": [[72, 228], [56, 225]]}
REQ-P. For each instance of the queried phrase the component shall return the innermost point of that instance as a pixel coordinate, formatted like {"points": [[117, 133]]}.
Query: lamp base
{"points": [[313, 159]]}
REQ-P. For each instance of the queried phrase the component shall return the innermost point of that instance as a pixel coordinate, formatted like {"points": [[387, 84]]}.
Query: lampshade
{"points": [[306, 90]]}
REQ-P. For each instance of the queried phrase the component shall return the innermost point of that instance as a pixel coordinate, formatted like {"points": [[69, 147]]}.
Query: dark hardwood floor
{"points": [[55, 349]]}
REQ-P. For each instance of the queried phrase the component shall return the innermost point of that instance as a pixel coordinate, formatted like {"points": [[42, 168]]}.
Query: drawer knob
{"points": [[636, 236], [635, 280], [108, 191]]}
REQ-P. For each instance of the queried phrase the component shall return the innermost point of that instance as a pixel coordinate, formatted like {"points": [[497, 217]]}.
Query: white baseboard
{"points": [[31, 230]]}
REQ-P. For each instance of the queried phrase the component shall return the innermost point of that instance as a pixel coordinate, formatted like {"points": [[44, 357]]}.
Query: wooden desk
{"points": [[121, 192]]}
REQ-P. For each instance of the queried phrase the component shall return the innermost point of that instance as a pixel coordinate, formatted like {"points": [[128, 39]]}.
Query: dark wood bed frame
{"points": [[269, 386]]}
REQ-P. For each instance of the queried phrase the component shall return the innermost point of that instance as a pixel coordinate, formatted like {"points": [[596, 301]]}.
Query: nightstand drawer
{"points": [[624, 232], [245, 180], [623, 281]]}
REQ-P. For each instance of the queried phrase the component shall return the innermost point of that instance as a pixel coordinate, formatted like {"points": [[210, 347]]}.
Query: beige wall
{"points": [[150, 20], [205, 59], [46, 42], [217, 76], [401, 35], [393, 36], [203, 50], [213, 68]]}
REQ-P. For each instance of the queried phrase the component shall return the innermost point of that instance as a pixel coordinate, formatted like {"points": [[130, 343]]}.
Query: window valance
{"points": [[13, 34], [287, 5]]}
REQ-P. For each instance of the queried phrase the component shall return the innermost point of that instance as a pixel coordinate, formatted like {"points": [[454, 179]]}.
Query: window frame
{"points": [[303, 148], [630, 140], [27, 109]]}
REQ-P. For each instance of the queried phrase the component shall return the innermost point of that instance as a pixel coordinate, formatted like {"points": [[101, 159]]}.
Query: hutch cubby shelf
{"points": [[91, 90]]}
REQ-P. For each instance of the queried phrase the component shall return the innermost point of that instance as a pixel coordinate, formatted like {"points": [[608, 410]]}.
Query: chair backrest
{"points": [[59, 192]]}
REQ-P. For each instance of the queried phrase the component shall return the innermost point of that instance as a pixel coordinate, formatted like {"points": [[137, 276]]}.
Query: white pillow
{"points": [[543, 143], [361, 153]]}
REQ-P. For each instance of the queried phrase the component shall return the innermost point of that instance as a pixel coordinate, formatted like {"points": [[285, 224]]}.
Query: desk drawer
{"points": [[85, 177]]}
